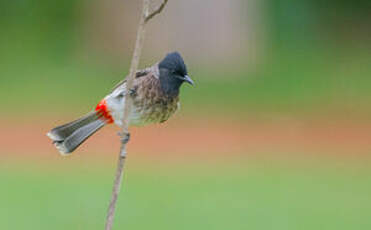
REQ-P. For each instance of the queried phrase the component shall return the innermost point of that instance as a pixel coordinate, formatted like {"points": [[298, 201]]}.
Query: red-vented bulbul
{"points": [[155, 97]]}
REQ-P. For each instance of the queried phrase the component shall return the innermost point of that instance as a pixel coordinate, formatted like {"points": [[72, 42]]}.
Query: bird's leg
{"points": [[132, 92], [124, 137]]}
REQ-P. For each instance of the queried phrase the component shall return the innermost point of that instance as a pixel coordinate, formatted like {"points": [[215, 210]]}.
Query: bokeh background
{"points": [[276, 134]]}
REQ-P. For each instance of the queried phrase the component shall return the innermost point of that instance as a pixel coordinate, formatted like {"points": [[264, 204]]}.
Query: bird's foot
{"points": [[125, 137], [132, 92]]}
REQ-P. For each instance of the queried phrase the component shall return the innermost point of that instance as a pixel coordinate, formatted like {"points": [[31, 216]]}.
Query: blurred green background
{"points": [[286, 85]]}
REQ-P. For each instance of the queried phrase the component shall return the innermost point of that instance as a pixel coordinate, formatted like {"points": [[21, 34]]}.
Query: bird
{"points": [[154, 99]]}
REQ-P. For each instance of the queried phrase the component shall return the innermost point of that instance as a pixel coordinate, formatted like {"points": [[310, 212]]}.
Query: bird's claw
{"points": [[125, 137], [132, 92]]}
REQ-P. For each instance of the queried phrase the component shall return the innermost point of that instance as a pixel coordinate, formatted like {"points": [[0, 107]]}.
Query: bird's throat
{"points": [[170, 85]]}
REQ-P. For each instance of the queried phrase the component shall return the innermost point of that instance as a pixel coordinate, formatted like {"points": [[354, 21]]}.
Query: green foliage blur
{"points": [[316, 56], [265, 195]]}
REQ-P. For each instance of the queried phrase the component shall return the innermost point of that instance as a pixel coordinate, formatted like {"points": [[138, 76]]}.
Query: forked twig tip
{"points": [[149, 16]]}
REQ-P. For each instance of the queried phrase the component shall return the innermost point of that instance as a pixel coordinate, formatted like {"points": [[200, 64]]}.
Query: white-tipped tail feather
{"points": [[66, 138], [62, 150]]}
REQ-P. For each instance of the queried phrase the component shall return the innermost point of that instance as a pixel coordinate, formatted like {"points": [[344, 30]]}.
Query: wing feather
{"points": [[139, 73]]}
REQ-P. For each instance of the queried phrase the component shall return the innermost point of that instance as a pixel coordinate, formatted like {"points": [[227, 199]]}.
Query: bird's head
{"points": [[173, 72]]}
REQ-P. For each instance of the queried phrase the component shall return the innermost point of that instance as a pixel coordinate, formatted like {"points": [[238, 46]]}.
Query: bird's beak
{"points": [[188, 79]]}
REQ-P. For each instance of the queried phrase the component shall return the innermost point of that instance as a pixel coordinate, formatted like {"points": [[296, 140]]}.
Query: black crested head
{"points": [[175, 63], [173, 72]]}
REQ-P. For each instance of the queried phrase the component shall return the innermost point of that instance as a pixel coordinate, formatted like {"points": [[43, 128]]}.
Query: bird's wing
{"points": [[116, 99], [139, 73]]}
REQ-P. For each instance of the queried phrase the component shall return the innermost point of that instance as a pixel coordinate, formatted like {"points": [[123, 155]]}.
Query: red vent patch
{"points": [[103, 112]]}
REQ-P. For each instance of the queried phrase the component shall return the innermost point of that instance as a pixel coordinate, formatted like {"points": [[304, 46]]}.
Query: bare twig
{"points": [[125, 135], [149, 16]]}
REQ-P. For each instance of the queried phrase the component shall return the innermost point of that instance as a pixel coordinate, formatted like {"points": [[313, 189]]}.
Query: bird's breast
{"points": [[147, 110]]}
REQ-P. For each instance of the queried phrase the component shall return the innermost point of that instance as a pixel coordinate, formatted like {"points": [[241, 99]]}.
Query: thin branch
{"points": [[115, 192], [149, 16], [125, 135]]}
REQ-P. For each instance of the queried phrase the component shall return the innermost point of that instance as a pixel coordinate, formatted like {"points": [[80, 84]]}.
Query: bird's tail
{"points": [[68, 137]]}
